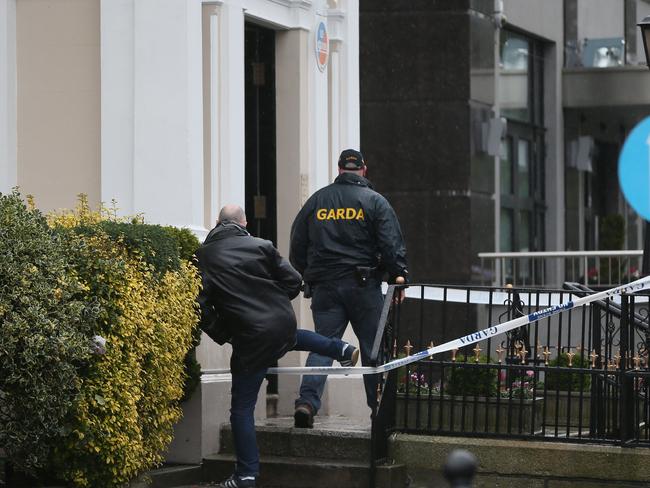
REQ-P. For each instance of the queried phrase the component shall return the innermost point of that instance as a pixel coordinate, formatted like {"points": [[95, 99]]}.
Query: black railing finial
{"points": [[460, 468]]}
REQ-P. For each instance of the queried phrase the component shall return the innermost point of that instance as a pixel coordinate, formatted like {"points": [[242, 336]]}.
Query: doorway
{"points": [[260, 132], [260, 137]]}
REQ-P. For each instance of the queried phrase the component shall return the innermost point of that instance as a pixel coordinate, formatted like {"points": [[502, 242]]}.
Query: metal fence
{"points": [[579, 376]]}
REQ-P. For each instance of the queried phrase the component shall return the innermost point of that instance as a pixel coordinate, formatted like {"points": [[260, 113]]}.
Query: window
{"points": [[523, 207]]}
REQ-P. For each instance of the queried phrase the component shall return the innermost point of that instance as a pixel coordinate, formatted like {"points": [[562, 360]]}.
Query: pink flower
{"points": [[530, 374]]}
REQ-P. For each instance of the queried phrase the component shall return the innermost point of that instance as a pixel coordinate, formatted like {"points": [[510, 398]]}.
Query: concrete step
{"points": [[301, 472], [331, 438], [171, 476]]}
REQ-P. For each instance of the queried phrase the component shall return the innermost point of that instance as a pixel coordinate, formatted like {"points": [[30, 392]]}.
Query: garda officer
{"points": [[343, 240]]}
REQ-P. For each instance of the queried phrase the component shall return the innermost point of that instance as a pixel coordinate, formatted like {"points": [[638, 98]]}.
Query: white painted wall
{"points": [[7, 95], [228, 92], [318, 118], [152, 122], [117, 102], [350, 115]]}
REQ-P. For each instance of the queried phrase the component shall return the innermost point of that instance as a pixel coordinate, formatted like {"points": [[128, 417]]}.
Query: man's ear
{"points": [[364, 171]]}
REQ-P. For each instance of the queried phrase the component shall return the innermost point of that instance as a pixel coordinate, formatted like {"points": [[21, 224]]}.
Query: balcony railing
{"points": [[552, 268]]}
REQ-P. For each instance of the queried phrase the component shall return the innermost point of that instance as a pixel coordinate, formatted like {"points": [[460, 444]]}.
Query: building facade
{"points": [[518, 158], [173, 108]]}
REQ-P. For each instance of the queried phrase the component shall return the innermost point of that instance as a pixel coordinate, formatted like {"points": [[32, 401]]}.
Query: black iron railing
{"points": [[579, 376]]}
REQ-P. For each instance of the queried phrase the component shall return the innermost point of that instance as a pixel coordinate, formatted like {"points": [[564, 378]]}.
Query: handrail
{"points": [[613, 307], [560, 254], [383, 318]]}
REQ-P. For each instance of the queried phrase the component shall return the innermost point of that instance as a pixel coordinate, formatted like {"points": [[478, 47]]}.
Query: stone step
{"points": [[331, 438], [300, 472], [173, 476]]}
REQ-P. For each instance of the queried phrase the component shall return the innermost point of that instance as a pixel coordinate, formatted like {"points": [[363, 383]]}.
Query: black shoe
{"points": [[237, 482], [304, 416], [350, 356]]}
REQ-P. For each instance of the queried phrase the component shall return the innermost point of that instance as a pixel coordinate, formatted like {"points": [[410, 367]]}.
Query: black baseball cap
{"points": [[351, 159]]}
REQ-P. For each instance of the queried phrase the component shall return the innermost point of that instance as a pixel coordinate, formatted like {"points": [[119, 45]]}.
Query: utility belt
{"points": [[362, 275]]}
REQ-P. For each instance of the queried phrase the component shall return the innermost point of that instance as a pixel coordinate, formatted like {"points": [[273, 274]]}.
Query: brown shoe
{"points": [[303, 417]]}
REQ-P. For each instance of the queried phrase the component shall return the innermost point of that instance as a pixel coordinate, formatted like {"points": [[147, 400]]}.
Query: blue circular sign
{"points": [[634, 169], [322, 46]]}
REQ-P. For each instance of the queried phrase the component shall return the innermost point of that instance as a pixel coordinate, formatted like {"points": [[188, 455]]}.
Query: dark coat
{"points": [[345, 225], [245, 299]]}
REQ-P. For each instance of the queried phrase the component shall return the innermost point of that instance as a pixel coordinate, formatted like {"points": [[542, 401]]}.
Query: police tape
{"points": [[490, 332]]}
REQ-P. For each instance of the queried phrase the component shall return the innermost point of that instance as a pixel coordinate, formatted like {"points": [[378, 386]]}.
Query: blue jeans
{"points": [[333, 305], [244, 391]]}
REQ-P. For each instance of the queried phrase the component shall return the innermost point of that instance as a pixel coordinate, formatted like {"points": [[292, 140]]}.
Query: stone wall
{"points": [[513, 464]]}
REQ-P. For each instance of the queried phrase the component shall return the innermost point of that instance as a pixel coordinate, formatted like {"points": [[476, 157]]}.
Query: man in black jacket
{"points": [[245, 300], [342, 241]]}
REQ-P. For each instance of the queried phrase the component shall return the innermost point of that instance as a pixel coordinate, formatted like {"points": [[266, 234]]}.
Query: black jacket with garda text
{"points": [[345, 225], [247, 292]]}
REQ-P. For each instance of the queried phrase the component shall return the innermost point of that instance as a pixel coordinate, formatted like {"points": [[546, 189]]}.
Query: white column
{"points": [[335, 114], [215, 126], [228, 113], [168, 159], [350, 105], [319, 171], [8, 122], [194, 143], [152, 123], [117, 103]]}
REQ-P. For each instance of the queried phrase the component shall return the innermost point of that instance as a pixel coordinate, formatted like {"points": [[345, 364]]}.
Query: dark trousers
{"points": [[244, 391], [333, 305]]}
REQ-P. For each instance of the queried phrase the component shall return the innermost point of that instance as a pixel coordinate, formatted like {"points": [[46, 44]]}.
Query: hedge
{"points": [[132, 288], [45, 335]]}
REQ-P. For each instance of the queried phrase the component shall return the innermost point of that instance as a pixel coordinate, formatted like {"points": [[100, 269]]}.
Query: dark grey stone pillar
{"points": [[415, 131]]}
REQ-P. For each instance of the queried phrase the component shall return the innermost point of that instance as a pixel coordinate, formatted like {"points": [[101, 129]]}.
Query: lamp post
{"points": [[645, 34]]}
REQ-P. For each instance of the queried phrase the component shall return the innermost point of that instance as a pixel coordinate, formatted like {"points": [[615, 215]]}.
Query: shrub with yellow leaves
{"points": [[129, 399]]}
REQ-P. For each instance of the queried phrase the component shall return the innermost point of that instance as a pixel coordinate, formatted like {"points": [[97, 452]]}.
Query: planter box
{"points": [[558, 402], [481, 414]]}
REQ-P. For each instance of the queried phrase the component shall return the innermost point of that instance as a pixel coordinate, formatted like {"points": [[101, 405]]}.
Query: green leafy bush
{"points": [[94, 421], [45, 337], [566, 381], [187, 242], [471, 381], [164, 248], [612, 232], [124, 417]]}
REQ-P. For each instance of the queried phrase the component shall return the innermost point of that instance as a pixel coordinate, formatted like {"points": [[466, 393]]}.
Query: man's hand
{"points": [[401, 294]]}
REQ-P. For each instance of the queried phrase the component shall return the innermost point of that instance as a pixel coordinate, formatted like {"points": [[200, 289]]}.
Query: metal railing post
{"points": [[597, 418], [626, 398]]}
